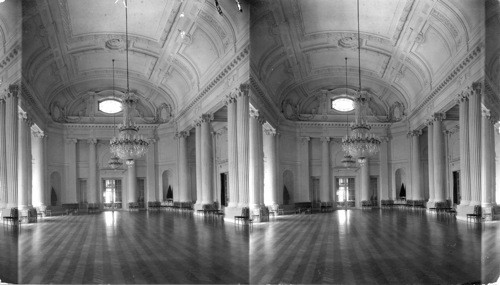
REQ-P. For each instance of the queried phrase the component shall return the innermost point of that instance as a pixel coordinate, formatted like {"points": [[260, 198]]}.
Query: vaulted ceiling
{"points": [[175, 48], [407, 48]]}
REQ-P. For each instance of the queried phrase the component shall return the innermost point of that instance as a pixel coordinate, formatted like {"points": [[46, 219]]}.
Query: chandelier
{"points": [[347, 161], [128, 145], [114, 162], [361, 143]]}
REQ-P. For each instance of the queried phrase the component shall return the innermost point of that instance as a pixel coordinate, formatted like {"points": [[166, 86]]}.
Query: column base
{"points": [[259, 214], [231, 212]]}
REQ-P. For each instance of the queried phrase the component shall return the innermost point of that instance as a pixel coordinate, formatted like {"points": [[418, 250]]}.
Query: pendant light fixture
{"points": [[114, 162], [347, 161], [361, 143], [128, 145]]}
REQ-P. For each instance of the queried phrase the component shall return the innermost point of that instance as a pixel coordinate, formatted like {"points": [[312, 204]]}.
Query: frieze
{"points": [[402, 21]]}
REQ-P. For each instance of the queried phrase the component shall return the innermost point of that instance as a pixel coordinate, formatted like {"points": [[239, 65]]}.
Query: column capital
{"points": [[439, 116], [231, 98], [325, 139], [183, 134], [304, 140], [462, 97], [429, 122], [477, 87], [71, 140], [13, 91], [39, 134], [271, 132], [92, 141], [384, 139], [415, 133], [206, 118], [243, 90]]}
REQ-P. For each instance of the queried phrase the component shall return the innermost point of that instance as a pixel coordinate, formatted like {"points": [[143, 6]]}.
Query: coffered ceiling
{"points": [[407, 48]]}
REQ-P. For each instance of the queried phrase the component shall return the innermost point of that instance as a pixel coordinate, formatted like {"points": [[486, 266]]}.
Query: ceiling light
{"points": [[114, 162], [129, 145], [347, 161]]}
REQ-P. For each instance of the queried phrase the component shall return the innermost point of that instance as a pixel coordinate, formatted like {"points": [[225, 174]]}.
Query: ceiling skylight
{"points": [[343, 104], [110, 106]]}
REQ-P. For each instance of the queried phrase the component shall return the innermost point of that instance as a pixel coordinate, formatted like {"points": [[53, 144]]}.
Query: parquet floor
{"points": [[343, 247]]}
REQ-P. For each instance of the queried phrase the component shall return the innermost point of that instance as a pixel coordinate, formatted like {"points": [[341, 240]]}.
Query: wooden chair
{"points": [[245, 217], [477, 215], [10, 216]]}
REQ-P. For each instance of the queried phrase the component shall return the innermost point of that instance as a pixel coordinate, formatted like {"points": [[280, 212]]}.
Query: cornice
{"points": [[302, 124], [105, 126], [10, 57], [215, 81], [451, 76]]}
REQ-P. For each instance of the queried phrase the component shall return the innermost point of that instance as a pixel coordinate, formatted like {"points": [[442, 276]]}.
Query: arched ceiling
{"points": [[175, 48], [407, 47]]}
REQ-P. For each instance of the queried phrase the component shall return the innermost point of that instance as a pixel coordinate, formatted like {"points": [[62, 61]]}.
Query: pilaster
{"points": [[92, 182], [184, 191], [325, 170]]}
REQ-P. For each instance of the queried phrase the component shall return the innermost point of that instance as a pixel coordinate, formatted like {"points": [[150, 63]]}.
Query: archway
{"points": [[400, 184], [55, 189], [287, 187], [167, 192]]}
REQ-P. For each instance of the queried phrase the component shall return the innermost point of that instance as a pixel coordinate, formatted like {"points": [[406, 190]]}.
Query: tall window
{"points": [[345, 191], [112, 191]]}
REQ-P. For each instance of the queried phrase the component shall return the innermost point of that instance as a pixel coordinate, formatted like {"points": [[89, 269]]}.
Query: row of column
{"points": [[477, 151], [22, 179], [248, 146]]}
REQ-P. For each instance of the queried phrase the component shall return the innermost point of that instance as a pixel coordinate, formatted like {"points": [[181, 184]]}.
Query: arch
{"points": [[288, 190], [55, 189], [400, 178], [166, 178]]}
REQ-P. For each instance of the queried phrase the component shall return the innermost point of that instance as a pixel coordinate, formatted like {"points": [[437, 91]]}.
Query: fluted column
{"points": [[152, 193], [132, 183], [475, 143], [242, 114], [199, 191], [11, 145], [464, 150], [304, 171], [417, 190], [487, 154], [384, 169], [69, 194], [24, 160], [232, 148], [325, 170], [206, 160], [270, 176], [430, 157], [3, 158], [438, 148], [39, 169], [92, 183], [184, 193], [253, 157], [365, 182]]}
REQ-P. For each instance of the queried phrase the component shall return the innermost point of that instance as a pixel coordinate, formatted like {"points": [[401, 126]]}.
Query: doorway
{"points": [[456, 187], [346, 193], [112, 194], [224, 195]]}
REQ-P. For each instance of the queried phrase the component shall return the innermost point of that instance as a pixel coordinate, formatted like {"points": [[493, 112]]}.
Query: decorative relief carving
{"points": [[115, 44], [445, 21], [402, 21]]}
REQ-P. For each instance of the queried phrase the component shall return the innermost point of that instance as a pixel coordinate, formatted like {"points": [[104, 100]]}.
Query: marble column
{"points": [[92, 182], [430, 158], [199, 191], [232, 148], [438, 159], [270, 174], [475, 143], [417, 190], [3, 158], [487, 154], [39, 169], [384, 169], [325, 170], [11, 144], [365, 182], [132, 183], [184, 192], [24, 160], [152, 193], [69, 194], [255, 158], [304, 171], [242, 113], [206, 160], [464, 150]]}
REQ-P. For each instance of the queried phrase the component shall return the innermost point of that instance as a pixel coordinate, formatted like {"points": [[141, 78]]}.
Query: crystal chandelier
{"points": [[361, 143], [347, 161], [114, 162], [129, 145]]}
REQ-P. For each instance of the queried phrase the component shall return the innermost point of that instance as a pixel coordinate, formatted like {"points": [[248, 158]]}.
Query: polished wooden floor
{"points": [[343, 247]]}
